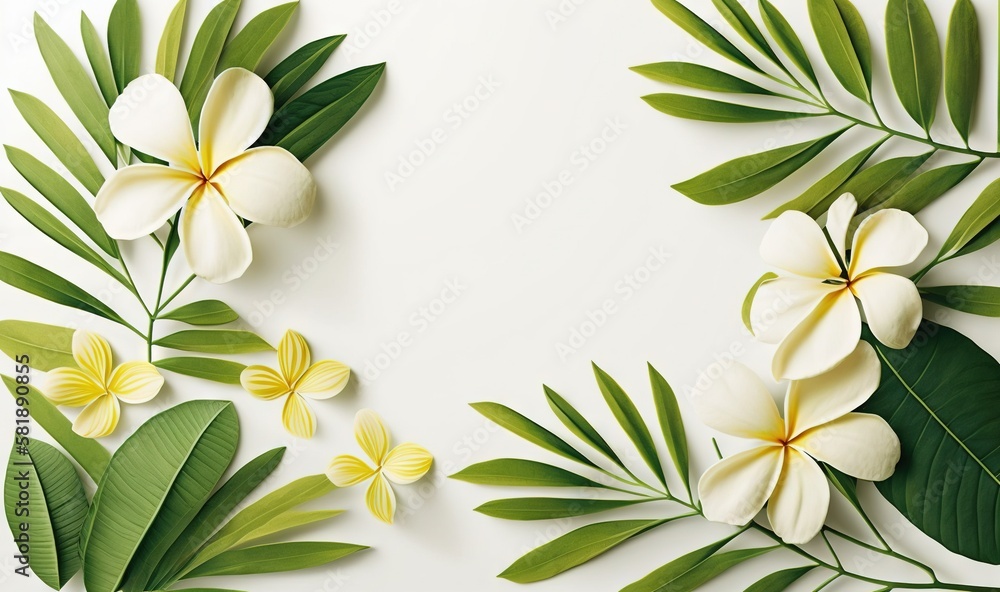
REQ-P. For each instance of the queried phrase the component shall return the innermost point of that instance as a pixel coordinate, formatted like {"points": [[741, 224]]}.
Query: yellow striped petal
{"points": [[135, 382], [293, 356], [380, 499], [72, 387], [347, 470], [93, 354], [372, 435], [263, 382], [324, 379], [98, 419], [407, 463], [298, 417]]}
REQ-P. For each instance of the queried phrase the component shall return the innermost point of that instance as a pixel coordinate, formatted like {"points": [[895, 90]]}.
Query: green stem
{"points": [[177, 293]]}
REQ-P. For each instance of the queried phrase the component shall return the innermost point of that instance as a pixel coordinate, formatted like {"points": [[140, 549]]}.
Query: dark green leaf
{"points": [[48, 346], [980, 215], [984, 239], [288, 77], [703, 32], [702, 109], [125, 41], [520, 425], [274, 558], [674, 576], [875, 184], [962, 66], [204, 312], [550, 508], [214, 342], [248, 47], [844, 41], [631, 421], [740, 21], [578, 424], [780, 580], [787, 40], [223, 371], [671, 425], [665, 575], [914, 58], [100, 63], [978, 300], [205, 52], [748, 301], [845, 484], [927, 187], [515, 472], [170, 42], [700, 77]]}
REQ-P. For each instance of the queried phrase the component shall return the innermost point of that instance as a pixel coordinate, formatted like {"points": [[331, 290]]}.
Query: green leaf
{"points": [[25, 275], [155, 485], [204, 312], [984, 239], [875, 184], [980, 215], [914, 58], [962, 66], [630, 420], [575, 548], [520, 425], [780, 580], [787, 40], [740, 21], [205, 53], [938, 396], [170, 42], [214, 342], [48, 346], [690, 573], [578, 424], [671, 425], [751, 175], [665, 575], [91, 456], [223, 371], [100, 63], [60, 139], [515, 472], [927, 187], [748, 301], [290, 520], [57, 507], [248, 47], [699, 77], [703, 32], [277, 557], [550, 508], [702, 109], [306, 123], [288, 77], [844, 41], [978, 300], [125, 41], [845, 484]]}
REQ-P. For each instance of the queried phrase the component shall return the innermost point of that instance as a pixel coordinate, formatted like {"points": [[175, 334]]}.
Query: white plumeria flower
{"points": [[98, 386], [404, 464], [218, 184], [810, 310], [818, 426]]}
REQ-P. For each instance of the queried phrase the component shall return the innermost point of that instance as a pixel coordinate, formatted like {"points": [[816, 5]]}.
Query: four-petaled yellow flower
{"points": [[294, 380], [99, 386], [402, 465]]}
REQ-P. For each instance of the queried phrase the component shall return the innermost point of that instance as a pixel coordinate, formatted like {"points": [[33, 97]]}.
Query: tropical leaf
{"points": [[787, 40], [699, 77], [844, 40], [204, 57], [515, 472], [981, 214], [780, 580], [551, 508], [875, 184], [703, 32], [100, 63], [962, 66], [204, 312], [248, 47], [671, 425], [214, 342], [520, 425], [702, 109], [578, 424], [289, 76], [748, 301], [665, 576], [914, 58], [290, 520], [630, 420], [978, 300], [668, 579], [49, 347], [125, 41], [923, 189], [277, 557], [223, 371], [170, 42], [740, 21]]}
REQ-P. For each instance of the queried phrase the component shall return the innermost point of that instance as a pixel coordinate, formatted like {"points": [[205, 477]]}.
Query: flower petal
{"points": [[93, 354], [892, 306], [824, 338], [72, 387], [838, 221], [324, 379], [293, 356], [734, 489], [151, 117], [889, 238], [98, 419], [859, 444], [782, 303], [139, 199], [269, 186], [346, 470], [215, 242], [797, 244], [298, 418], [800, 501], [237, 110], [737, 403], [380, 499], [407, 463], [372, 435], [135, 382], [834, 394], [263, 382]]}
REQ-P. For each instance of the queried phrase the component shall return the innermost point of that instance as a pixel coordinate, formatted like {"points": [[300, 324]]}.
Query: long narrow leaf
{"points": [[221, 371], [520, 425], [125, 41], [787, 40], [578, 424], [274, 558], [702, 109], [927, 187], [698, 575], [100, 63], [844, 41], [914, 54], [663, 576], [48, 347], [743, 24], [290, 520], [170, 42], [248, 47], [877, 183], [551, 508], [631, 421], [962, 66], [699, 77], [980, 215], [205, 53], [289, 76], [515, 472], [671, 425], [214, 342], [703, 32], [978, 300]]}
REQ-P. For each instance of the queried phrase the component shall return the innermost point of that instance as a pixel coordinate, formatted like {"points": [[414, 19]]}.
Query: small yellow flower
{"points": [[99, 386], [296, 379], [402, 465]]}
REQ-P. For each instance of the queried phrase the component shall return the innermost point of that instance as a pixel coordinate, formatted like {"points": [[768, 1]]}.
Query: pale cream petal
{"points": [[347, 470], [782, 303], [892, 305], [859, 444], [889, 238], [380, 499], [800, 501], [293, 356], [838, 221], [815, 401], [93, 354], [324, 379], [372, 435], [795, 243], [139, 199], [734, 489], [824, 338], [98, 419], [269, 186], [263, 382], [216, 244], [407, 463], [737, 403], [151, 117], [72, 387], [136, 382], [237, 110], [298, 418]]}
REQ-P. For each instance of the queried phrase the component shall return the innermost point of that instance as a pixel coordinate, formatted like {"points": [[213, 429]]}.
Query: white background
{"points": [[552, 85]]}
